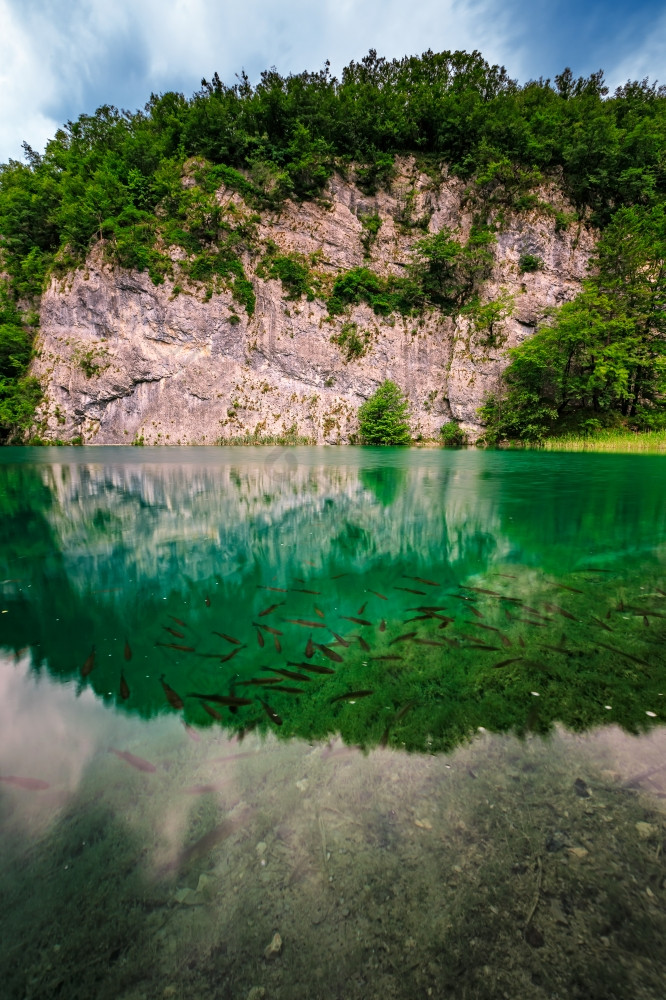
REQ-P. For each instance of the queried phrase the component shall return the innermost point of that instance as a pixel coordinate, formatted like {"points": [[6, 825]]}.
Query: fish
{"points": [[593, 569], [178, 621], [556, 649], [357, 621], [417, 618], [214, 714], [268, 628], [309, 648], [480, 590], [320, 613], [646, 620], [276, 643], [363, 644], [172, 631], [403, 638], [507, 576], [173, 645], [382, 625], [506, 642], [396, 719], [28, 784], [136, 762], [339, 576], [362, 608], [89, 663], [556, 609], [351, 695], [341, 641], [563, 586], [127, 652], [288, 690], [304, 623], [124, 688], [231, 701], [228, 638], [478, 645], [521, 641], [278, 590], [259, 681], [387, 656], [408, 590], [331, 654], [598, 621], [207, 601], [377, 594], [529, 621], [291, 674], [488, 628], [230, 656], [314, 668], [475, 611], [419, 579], [172, 696], [505, 663], [271, 713], [260, 639], [429, 642], [614, 649], [271, 609], [192, 733], [644, 611], [317, 592]]}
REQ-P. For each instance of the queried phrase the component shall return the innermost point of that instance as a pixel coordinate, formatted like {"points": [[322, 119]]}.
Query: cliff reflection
{"points": [[396, 597]]}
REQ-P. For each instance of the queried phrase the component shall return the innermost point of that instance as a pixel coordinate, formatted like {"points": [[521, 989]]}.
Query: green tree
{"points": [[383, 417], [604, 352]]}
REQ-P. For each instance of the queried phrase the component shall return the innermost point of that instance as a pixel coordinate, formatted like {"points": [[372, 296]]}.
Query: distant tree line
{"points": [[117, 177]]}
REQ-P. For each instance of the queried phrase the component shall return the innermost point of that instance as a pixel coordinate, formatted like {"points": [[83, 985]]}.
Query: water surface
{"points": [[459, 793]]}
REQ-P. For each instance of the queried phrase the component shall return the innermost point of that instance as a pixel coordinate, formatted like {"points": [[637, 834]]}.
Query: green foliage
{"points": [[529, 262], [383, 417], [19, 392], [487, 318], [371, 224], [292, 270], [602, 354], [449, 271], [383, 295], [352, 344], [452, 434]]}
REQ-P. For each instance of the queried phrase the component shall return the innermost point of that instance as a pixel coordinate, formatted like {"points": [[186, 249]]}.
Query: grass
{"points": [[607, 440]]}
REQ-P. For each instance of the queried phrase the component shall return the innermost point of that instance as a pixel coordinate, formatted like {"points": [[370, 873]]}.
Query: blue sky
{"points": [[59, 58]]}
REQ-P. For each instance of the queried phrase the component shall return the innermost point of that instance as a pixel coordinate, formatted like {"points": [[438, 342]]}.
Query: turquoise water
{"points": [[459, 793]]}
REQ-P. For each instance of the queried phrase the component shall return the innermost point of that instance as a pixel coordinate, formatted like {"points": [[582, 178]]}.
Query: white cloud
{"points": [[61, 58]]}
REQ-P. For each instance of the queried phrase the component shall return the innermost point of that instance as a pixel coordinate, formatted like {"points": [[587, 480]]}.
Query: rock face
{"points": [[123, 360]]}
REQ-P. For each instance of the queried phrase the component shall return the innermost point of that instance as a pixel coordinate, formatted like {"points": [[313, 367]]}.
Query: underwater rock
{"points": [[257, 993], [646, 830], [274, 948]]}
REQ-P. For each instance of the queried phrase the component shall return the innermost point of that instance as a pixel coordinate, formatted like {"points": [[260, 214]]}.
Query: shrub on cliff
{"points": [[383, 417]]}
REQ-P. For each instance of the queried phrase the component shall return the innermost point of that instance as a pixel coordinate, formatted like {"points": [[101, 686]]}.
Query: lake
{"points": [[325, 723]]}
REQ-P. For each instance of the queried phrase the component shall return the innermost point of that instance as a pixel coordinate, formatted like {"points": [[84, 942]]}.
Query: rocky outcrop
{"points": [[124, 360]]}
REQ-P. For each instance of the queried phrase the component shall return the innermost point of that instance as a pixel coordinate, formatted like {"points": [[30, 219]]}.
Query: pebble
{"points": [[302, 785], [261, 847], [256, 993], [578, 852], [423, 824], [274, 948], [647, 830]]}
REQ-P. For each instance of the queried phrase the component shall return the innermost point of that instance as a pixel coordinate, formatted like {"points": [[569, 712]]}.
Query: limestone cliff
{"points": [[122, 359]]}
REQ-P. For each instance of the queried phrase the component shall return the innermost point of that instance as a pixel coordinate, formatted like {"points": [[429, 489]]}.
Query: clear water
{"points": [[462, 794]]}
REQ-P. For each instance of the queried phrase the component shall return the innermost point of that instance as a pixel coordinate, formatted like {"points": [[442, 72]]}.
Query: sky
{"points": [[62, 58]]}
